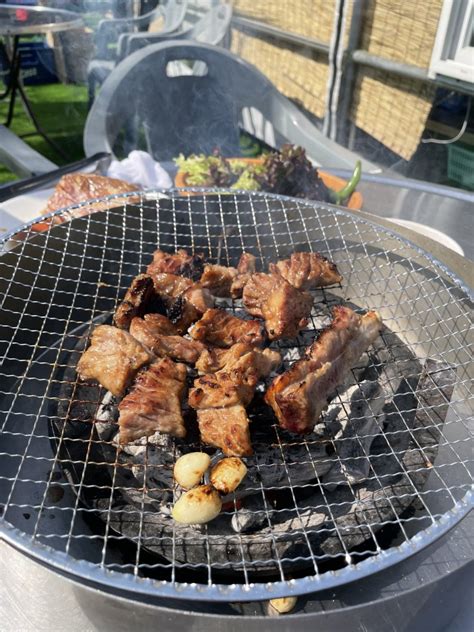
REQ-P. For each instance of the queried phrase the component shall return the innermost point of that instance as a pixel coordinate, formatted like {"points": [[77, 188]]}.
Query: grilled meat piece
{"points": [[154, 403], [180, 263], [234, 383], [299, 395], [220, 399], [80, 187], [222, 389], [185, 301], [227, 429], [113, 359], [214, 359], [174, 286], [245, 269], [221, 329], [171, 285], [181, 313], [139, 299], [160, 325], [307, 270], [247, 263], [218, 279], [148, 332], [284, 308], [199, 298]]}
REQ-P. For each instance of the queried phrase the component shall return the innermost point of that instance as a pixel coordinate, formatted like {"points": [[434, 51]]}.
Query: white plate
{"points": [[430, 232], [23, 208]]}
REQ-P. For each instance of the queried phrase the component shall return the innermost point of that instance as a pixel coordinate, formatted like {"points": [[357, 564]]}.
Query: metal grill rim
{"points": [[107, 574]]}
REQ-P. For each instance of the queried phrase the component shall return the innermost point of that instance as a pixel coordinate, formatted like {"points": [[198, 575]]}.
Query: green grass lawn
{"points": [[61, 111]]}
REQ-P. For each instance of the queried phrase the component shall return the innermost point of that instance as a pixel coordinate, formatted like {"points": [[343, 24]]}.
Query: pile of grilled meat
{"points": [[167, 322]]}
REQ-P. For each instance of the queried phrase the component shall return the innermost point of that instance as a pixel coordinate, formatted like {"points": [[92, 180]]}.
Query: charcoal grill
{"points": [[66, 494]]}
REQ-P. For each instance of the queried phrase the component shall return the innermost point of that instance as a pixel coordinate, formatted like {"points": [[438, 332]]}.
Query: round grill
{"points": [[320, 510]]}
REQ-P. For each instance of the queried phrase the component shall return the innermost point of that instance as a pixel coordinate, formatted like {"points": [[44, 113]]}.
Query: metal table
{"points": [[447, 209], [18, 21]]}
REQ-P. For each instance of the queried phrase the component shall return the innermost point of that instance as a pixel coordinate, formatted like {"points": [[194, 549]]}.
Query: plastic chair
{"points": [[19, 157], [110, 31], [197, 113], [213, 28]]}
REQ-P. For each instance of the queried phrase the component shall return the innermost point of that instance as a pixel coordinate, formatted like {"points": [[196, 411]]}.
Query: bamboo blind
{"points": [[391, 109], [312, 18], [402, 31], [300, 75]]}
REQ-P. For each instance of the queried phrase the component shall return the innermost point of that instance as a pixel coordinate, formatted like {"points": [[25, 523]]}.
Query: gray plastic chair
{"points": [[19, 157], [213, 28], [115, 31], [197, 113]]}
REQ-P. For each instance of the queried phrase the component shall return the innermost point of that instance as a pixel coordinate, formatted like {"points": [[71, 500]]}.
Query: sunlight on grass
{"points": [[61, 111]]}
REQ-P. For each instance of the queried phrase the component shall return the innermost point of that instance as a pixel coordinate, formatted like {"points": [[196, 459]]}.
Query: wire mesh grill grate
{"points": [[64, 485]]}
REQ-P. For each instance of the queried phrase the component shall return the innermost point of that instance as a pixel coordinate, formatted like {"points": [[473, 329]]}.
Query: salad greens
{"points": [[286, 172]]}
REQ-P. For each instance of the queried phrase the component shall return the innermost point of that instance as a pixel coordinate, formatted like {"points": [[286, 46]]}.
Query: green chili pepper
{"points": [[339, 197]]}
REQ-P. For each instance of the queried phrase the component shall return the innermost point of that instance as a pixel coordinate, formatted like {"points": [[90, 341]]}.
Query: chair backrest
{"points": [[117, 30], [174, 12], [213, 28], [197, 113]]}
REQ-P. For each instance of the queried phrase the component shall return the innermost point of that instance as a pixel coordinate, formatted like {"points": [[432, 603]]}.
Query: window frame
{"points": [[450, 51]]}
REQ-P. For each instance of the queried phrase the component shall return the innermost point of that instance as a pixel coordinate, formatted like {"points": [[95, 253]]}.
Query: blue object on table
{"points": [[26, 3], [37, 68]]}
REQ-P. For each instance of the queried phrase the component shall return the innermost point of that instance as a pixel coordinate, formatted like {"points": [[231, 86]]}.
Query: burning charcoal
{"points": [[311, 458], [252, 517], [105, 418], [364, 424], [359, 429]]}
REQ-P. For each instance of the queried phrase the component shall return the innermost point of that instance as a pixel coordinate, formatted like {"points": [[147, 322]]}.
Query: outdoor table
{"points": [[17, 21]]}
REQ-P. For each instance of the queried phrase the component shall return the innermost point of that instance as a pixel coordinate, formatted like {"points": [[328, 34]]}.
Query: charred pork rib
{"points": [[299, 396], [228, 282], [307, 270], [140, 298], [113, 359], [245, 269], [218, 279], [185, 300], [160, 325], [154, 402], [221, 329], [148, 331], [284, 308], [213, 359], [181, 263], [220, 400]]}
